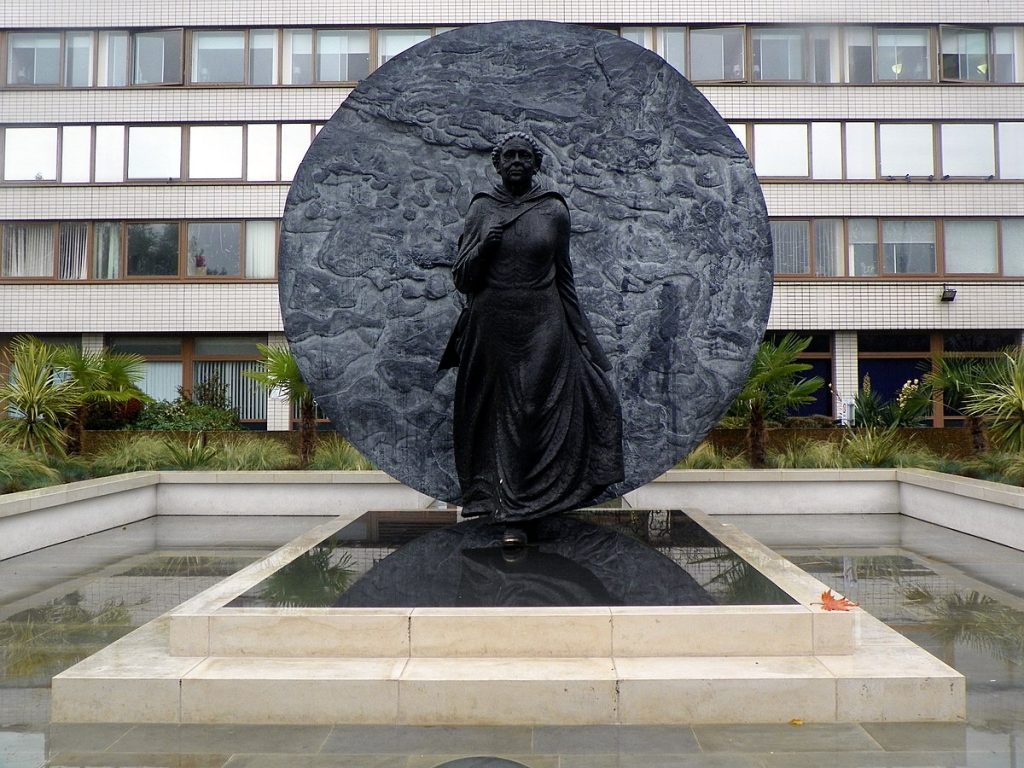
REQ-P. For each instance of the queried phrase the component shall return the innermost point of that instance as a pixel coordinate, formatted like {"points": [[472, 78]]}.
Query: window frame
{"points": [[989, 50]]}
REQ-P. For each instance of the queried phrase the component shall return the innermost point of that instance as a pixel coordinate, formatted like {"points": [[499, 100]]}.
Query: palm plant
{"points": [[40, 399], [102, 377], [1000, 401], [773, 389], [281, 371], [958, 378]]}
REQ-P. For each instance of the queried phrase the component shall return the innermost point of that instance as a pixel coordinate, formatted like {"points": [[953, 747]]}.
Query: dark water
{"points": [[595, 557]]}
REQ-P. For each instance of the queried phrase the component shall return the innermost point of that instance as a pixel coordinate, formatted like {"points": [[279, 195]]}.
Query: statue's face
{"points": [[516, 162]]}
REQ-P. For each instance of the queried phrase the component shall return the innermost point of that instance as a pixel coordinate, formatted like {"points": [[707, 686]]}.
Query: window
{"points": [[218, 57], [906, 149], [106, 250], [780, 149], [740, 129], [1008, 56], [858, 54], [1011, 150], [112, 52], [295, 139], [860, 151], [964, 54], [75, 153], [30, 154], [78, 59], [716, 54], [1013, 246], [109, 153], [28, 250], [152, 249], [909, 247], [672, 46], [970, 247], [642, 36], [391, 42], [154, 152], [863, 248], [826, 150], [33, 58], [968, 149], [298, 57], [260, 249], [157, 57], [791, 247], [72, 251], [214, 249], [215, 152], [261, 153], [263, 57], [778, 53], [342, 56], [902, 54], [824, 55], [828, 247]]}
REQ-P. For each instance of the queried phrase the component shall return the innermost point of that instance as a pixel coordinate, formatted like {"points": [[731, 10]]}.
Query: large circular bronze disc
{"points": [[670, 239]]}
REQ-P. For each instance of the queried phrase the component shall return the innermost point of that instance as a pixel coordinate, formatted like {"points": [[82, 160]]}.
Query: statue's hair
{"points": [[538, 150]]}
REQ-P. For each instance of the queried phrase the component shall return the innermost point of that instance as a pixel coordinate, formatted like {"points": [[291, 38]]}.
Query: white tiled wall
{"points": [[149, 308], [174, 105], [143, 201], [895, 305], [895, 198], [447, 12]]}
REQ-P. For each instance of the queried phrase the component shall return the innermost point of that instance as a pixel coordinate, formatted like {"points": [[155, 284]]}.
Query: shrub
{"points": [[335, 452], [806, 454], [70, 468], [182, 415], [884, 447], [253, 454], [193, 453], [707, 456], [136, 453], [996, 466], [21, 471]]}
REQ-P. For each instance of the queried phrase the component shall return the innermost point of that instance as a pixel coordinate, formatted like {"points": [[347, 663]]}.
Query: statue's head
{"points": [[517, 157]]}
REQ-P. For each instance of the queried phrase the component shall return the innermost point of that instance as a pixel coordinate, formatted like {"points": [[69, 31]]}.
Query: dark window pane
{"points": [[229, 346], [157, 57], [978, 341], [820, 342], [152, 249], [899, 341], [822, 403], [889, 376], [146, 345]]}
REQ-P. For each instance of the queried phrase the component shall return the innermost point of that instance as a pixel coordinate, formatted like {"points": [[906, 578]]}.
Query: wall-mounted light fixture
{"points": [[948, 294]]}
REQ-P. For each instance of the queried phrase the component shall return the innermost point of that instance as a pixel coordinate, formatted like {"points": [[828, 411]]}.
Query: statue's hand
{"points": [[492, 240]]}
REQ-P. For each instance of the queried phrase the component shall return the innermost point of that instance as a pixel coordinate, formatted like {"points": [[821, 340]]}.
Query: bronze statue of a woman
{"points": [[538, 427]]}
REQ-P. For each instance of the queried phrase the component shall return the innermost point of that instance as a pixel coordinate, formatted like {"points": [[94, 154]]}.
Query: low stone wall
{"points": [[34, 519]]}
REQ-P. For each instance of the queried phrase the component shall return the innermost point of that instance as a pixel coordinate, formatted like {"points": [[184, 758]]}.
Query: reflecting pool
{"points": [[960, 597]]}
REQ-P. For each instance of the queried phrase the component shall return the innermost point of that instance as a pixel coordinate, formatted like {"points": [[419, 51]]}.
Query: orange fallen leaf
{"points": [[830, 602], [796, 721]]}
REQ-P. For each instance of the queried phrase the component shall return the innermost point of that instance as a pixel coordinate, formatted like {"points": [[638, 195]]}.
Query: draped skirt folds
{"points": [[539, 422]]}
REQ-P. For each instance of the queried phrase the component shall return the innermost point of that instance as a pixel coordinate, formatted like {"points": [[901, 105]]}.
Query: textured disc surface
{"points": [[670, 239]]}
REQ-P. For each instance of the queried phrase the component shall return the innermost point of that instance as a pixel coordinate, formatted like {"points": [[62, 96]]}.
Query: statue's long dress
{"points": [[538, 427]]}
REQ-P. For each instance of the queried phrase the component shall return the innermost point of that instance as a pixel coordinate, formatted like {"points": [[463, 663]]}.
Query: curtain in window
{"points": [[789, 239], [28, 250], [73, 247], [243, 394], [161, 380], [106, 250], [260, 242]]}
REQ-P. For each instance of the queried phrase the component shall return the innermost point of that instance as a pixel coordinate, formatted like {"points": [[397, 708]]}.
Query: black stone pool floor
{"points": [[960, 597]]}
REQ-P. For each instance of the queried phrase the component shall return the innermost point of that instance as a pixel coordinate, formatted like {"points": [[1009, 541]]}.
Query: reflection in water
{"points": [[596, 557], [313, 579]]}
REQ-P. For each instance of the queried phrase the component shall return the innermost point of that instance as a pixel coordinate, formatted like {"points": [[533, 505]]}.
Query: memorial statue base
{"points": [[208, 663]]}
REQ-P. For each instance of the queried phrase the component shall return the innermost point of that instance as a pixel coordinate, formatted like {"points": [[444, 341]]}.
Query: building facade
{"points": [[146, 151]]}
